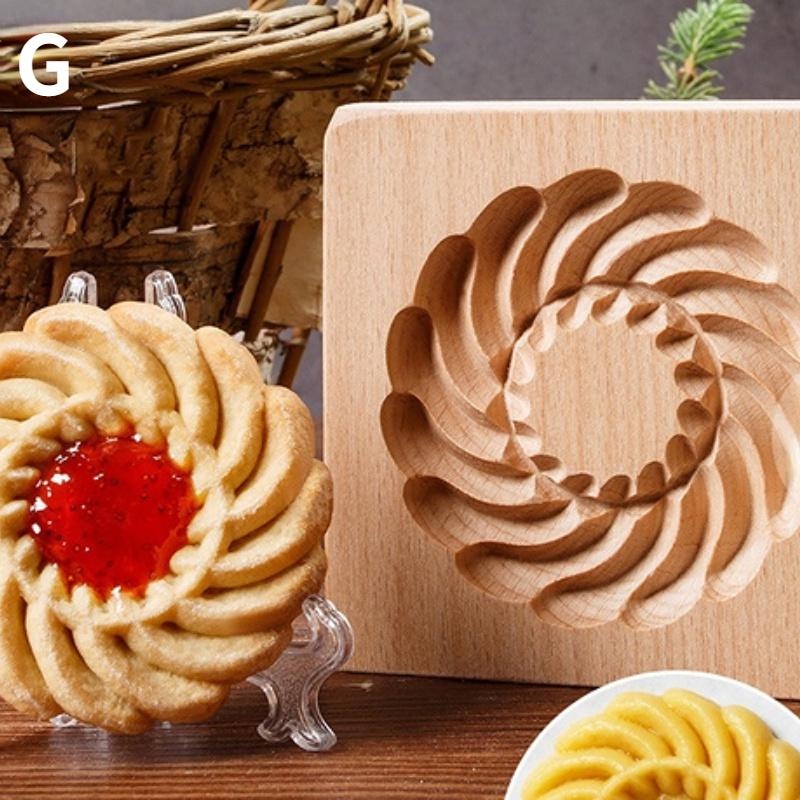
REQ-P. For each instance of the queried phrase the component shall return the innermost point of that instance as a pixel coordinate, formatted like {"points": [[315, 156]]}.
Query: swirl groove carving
{"points": [[526, 527]]}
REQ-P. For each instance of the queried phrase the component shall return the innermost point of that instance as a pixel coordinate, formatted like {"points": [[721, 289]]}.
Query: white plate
{"points": [[723, 691]]}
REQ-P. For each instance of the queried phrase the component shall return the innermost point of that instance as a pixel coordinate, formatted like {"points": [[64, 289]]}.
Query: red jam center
{"points": [[111, 512]]}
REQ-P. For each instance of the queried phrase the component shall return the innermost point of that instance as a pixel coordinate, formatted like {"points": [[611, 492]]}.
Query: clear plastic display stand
{"points": [[323, 638]]}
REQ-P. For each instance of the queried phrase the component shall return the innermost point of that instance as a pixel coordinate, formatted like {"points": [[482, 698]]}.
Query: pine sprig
{"points": [[699, 36]]}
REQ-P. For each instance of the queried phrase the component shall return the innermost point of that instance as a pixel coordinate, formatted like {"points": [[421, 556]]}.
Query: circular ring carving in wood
{"points": [[596, 401]]}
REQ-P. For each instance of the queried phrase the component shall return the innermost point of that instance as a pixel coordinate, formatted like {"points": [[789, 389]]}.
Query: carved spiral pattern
{"points": [[224, 610], [680, 745], [644, 548]]}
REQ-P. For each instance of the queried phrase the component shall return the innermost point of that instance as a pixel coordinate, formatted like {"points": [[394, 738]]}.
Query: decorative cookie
{"points": [[161, 516], [470, 360], [681, 745]]}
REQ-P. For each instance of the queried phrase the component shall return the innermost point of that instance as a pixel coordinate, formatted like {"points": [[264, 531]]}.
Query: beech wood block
{"points": [[562, 388]]}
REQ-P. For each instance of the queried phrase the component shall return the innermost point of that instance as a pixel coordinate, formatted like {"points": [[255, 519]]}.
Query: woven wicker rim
{"points": [[368, 45]]}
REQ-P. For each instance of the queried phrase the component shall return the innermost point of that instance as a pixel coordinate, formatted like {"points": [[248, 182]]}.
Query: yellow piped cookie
{"points": [[679, 745]]}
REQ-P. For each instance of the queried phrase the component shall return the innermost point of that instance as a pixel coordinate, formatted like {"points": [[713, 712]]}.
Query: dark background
{"points": [[517, 49], [502, 49]]}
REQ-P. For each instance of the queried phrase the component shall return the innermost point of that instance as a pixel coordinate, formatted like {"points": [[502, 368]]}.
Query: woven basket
{"points": [[194, 145]]}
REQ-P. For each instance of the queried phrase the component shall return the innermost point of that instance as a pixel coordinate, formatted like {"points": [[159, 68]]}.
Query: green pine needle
{"points": [[699, 36]]}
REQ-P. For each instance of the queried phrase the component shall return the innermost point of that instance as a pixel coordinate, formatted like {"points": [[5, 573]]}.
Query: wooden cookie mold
{"points": [[461, 421], [560, 368]]}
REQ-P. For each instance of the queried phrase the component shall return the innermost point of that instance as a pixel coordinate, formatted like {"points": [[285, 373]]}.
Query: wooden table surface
{"points": [[398, 738]]}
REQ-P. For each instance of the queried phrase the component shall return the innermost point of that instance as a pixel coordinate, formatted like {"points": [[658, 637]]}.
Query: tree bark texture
{"points": [[107, 190]]}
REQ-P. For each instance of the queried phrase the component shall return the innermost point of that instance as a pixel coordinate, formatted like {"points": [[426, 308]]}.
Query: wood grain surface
{"points": [[398, 738], [402, 184]]}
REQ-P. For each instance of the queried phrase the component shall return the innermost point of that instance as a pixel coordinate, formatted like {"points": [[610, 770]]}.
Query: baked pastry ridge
{"points": [[251, 550]]}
